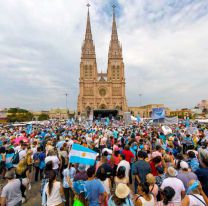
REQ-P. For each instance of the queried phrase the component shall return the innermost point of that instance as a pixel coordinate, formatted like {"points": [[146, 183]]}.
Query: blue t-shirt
{"points": [[94, 190], [202, 174], [9, 160]]}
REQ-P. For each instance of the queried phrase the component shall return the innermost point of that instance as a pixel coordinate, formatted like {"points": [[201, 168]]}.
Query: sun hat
{"points": [[172, 172], [122, 191], [184, 165], [81, 167]]}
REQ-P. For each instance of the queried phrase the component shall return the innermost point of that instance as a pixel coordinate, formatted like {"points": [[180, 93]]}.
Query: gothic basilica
{"points": [[101, 91]]}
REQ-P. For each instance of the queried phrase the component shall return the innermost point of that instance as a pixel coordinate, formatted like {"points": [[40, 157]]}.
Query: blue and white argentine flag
{"points": [[82, 155]]}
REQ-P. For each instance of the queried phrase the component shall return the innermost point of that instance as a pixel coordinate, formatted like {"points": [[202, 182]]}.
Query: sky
{"points": [[165, 50]]}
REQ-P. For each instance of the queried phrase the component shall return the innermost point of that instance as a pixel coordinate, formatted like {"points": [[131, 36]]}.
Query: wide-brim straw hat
{"points": [[122, 191]]}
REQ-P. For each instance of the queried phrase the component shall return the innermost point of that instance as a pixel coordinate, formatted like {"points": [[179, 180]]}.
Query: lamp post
{"points": [[140, 99], [67, 110]]}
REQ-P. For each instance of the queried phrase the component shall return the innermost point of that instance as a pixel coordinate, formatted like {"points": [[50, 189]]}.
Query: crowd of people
{"points": [[139, 164]]}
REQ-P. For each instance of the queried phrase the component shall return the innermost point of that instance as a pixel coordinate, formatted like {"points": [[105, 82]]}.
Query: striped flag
{"points": [[82, 155]]}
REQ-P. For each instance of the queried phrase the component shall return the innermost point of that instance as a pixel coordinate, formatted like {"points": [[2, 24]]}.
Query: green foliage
{"points": [[43, 116], [19, 115]]}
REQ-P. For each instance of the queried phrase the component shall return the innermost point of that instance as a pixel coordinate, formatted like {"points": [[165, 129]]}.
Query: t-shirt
{"points": [[141, 168], [202, 175], [124, 163], [12, 192], [186, 177], [176, 184], [94, 189], [55, 161], [128, 155]]}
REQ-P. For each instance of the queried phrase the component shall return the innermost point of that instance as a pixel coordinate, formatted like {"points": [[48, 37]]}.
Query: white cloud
{"points": [[164, 46]]}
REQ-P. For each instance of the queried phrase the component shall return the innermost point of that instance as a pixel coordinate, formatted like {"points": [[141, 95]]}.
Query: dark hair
{"points": [[157, 159], [158, 147], [145, 187], [118, 201], [180, 158], [90, 171], [39, 149], [168, 194], [121, 172], [116, 153], [101, 174], [123, 156], [191, 154], [160, 170], [52, 177], [141, 154], [49, 166], [105, 154]]}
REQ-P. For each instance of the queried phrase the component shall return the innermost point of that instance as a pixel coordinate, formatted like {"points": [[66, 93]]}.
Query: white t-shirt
{"points": [[54, 198], [22, 154], [55, 161], [176, 184], [126, 165]]}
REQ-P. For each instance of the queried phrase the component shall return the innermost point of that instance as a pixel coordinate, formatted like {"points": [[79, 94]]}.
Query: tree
{"points": [[43, 116], [19, 115]]}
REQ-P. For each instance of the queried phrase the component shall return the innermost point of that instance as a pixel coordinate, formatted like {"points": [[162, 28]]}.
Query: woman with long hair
{"points": [[120, 176], [22, 173], [151, 180], [144, 196], [54, 191]]}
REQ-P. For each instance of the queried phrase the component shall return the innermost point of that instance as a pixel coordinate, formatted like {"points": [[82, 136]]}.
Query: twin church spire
{"points": [[88, 48]]}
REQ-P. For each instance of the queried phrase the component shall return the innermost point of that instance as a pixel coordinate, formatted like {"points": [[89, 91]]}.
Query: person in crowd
{"points": [[39, 163], [8, 158], [174, 182], [124, 163], [128, 154], [202, 173], [185, 175], [161, 176], [53, 191], [121, 177], [81, 173], [167, 195], [70, 172], [46, 173], [151, 180], [106, 181], [155, 162], [193, 161], [195, 195], [11, 194], [63, 157], [144, 197], [95, 190], [23, 173], [104, 163], [140, 169], [121, 196], [51, 156]]}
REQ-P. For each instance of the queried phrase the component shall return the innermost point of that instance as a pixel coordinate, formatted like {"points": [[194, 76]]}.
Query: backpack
{"points": [[36, 159], [16, 158]]}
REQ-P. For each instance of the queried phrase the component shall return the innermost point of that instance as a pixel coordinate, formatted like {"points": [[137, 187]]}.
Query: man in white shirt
{"points": [[175, 183], [53, 157], [125, 164]]}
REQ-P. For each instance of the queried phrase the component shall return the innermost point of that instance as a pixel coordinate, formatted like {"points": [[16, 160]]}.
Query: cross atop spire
{"points": [[115, 50], [114, 35], [88, 46]]}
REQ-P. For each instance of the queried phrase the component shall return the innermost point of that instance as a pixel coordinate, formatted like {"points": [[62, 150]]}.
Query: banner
{"points": [[127, 118], [158, 113], [171, 120]]}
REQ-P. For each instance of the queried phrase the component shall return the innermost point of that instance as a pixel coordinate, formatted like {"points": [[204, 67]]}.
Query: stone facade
{"points": [[101, 90]]}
